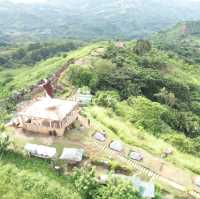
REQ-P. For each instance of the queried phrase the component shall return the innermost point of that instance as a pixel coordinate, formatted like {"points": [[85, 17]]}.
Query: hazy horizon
{"points": [[46, 1]]}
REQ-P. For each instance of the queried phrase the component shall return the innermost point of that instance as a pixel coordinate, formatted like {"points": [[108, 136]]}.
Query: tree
{"points": [[85, 182], [82, 76], [106, 98], [142, 47], [166, 97], [117, 189]]}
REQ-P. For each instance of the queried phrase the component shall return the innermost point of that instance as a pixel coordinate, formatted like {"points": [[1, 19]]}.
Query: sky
{"points": [[43, 1], [29, 1]]}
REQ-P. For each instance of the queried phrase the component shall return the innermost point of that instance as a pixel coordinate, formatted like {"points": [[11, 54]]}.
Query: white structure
{"points": [[146, 189], [48, 116], [197, 181], [136, 156], [72, 155], [100, 136], [116, 146], [40, 151]]}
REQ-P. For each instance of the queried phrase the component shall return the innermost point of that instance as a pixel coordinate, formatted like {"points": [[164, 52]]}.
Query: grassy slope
{"points": [[118, 127], [32, 179], [23, 178], [20, 78]]}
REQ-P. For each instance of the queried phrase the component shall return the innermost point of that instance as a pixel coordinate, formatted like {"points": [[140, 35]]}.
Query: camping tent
{"points": [[40, 151], [116, 146], [100, 136], [72, 154]]}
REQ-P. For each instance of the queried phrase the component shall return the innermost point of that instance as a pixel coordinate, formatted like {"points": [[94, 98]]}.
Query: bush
{"points": [[148, 114], [142, 47], [85, 182], [186, 122], [82, 76], [117, 189], [4, 142], [107, 98]]}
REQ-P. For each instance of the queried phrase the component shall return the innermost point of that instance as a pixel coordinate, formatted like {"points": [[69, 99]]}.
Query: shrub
{"points": [[148, 114], [85, 182], [117, 189], [142, 47], [107, 98], [4, 142], [82, 76]]}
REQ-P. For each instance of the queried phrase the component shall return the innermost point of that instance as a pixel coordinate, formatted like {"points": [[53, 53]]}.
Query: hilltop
{"points": [[143, 96]]}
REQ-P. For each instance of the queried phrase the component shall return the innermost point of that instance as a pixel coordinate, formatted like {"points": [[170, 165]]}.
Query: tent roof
{"points": [[72, 154], [116, 145], [100, 136], [40, 150], [47, 108]]}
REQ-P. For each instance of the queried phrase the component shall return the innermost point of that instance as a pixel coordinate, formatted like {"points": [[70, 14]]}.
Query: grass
{"points": [[117, 127], [32, 178], [20, 78]]}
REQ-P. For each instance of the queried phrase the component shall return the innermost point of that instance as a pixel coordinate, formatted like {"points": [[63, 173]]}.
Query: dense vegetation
{"points": [[151, 89], [183, 40], [15, 56], [148, 87]]}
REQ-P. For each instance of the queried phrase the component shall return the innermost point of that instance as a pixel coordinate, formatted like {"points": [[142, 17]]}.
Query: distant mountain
{"points": [[183, 39], [99, 19]]}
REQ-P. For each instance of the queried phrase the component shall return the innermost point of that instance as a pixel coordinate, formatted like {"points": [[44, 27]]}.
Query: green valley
{"points": [[146, 93]]}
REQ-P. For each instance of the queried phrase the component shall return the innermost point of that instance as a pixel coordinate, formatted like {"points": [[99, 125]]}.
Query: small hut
{"points": [[40, 151], [48, 116], [72, 155]]}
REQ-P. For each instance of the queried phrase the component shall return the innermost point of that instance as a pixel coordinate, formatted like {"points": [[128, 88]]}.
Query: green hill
{"points": [[149, 88], [146, 96], [183, 39]]}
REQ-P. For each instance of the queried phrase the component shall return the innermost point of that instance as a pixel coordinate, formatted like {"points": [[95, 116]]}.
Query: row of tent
{"points": [[68, 154], [117, 146]]}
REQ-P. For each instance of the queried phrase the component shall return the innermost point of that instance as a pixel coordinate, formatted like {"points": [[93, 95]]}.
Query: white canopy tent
{"points": [[41, 151], [72, 154]]}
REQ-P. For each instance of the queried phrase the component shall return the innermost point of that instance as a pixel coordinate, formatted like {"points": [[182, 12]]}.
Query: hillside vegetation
{"points": [[145, 93], [150, 88]]}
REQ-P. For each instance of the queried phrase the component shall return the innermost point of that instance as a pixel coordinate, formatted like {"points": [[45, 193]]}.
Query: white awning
{"points": [[40, 150], [72, 154]]}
